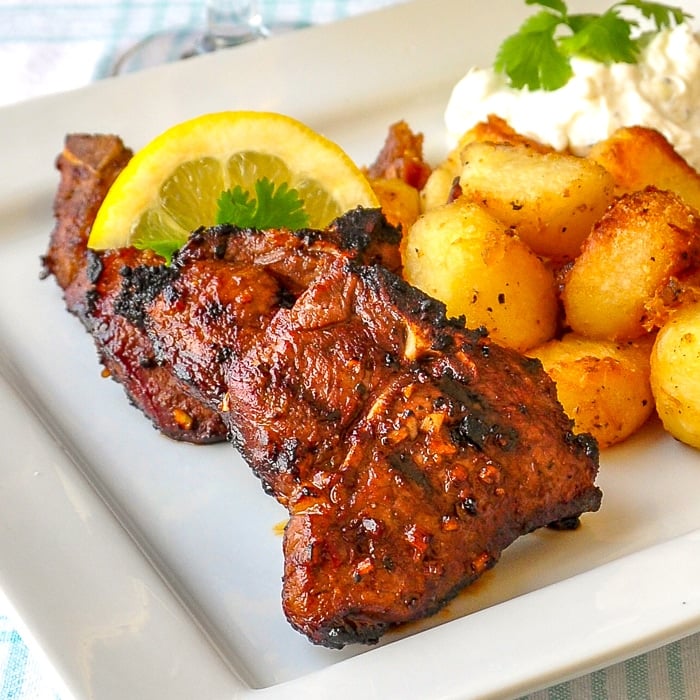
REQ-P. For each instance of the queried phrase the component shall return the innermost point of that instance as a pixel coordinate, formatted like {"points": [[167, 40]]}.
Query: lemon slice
{"points": [[172, 186]]}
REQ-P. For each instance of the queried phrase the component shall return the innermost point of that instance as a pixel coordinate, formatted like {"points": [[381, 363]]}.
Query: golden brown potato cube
{"points": [[494, 130], [603, 386], [465, 257], [497, 130], [401, 156], [637, 157], [641, 260], [399, 201], [675, 374], [436, 191], [551, 200]]}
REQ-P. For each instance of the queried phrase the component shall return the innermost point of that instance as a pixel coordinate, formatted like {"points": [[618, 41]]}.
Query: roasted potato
{"points": [[603, 386], [675, 374], [462, 255], [641, 260], [620, 230], [399, 201], [494, 130], [401, 157], [439, 185], [637, 157], [551, 200], [497, 130]]}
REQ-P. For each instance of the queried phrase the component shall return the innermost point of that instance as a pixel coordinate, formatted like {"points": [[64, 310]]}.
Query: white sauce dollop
{"points": [[661, 91]]}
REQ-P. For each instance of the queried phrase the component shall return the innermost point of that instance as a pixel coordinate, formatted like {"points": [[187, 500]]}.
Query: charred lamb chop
{"points": [[408, 450], [92, 280]]}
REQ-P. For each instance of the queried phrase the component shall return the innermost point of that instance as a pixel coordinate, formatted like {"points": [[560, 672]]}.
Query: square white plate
{"points": [[149, 569]]}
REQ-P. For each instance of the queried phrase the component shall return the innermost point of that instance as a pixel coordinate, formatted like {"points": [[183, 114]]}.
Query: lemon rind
{"points": [[133, 193]]}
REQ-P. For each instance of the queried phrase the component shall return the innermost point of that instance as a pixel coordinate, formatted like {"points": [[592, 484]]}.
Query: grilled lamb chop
{"points": [[91, 281], [408, 450]]}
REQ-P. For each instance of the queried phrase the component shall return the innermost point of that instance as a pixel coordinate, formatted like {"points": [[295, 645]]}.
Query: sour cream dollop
{"points": [[661, 91]]}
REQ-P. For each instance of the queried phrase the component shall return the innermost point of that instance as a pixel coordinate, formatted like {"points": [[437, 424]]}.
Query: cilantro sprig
{"points": [[538, 55], [272, 207]]}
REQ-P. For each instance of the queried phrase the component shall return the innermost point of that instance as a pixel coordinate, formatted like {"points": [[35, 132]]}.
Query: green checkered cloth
{"points": [[669, 673], [22, 675], [54, 45]]}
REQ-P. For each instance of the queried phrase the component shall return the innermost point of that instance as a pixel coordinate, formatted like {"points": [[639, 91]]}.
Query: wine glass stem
{"points": [[231, 22]]}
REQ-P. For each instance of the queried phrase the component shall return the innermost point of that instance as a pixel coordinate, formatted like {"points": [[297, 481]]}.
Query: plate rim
{"points": [[63, 484]]}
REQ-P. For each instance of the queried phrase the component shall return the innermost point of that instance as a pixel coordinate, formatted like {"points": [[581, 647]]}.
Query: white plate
{"points": [[149, 569]]}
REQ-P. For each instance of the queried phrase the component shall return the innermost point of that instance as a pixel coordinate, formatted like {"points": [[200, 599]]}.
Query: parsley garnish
{"points": [[537, 57], [165, 247], [271, 208]]}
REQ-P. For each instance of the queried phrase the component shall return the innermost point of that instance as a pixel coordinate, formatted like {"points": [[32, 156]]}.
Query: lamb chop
{"points": [[91, 281], [408, 450]]}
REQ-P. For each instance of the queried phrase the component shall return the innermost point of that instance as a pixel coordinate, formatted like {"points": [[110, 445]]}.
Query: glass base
{"points": [[174, 45]]}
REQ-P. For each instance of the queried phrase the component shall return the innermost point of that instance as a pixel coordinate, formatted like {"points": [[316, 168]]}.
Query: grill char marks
{"points": [[92, 285], [408, 450]]}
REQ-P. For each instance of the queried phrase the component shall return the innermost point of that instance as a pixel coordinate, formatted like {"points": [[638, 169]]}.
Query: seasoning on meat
{"points": [[92, 280], [408, 450]]}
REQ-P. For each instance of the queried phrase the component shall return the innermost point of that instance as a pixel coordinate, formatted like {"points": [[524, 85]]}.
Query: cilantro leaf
{"points": [[235, 206], [272, 207], [538, 56], [531, 58], [605, 38], [663, 16], [165, 247]]}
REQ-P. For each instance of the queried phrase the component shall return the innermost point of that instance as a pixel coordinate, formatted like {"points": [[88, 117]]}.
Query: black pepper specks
{"points": [[467, 506]]}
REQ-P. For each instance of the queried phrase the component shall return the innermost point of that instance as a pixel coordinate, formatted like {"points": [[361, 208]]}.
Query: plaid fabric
{"points": [[669, 673], [21, 673], [52, 46]]}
